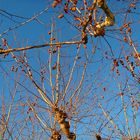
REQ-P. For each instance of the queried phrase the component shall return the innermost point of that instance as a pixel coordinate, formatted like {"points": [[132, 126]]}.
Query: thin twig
{"points": [[125, 115], [109, 119], [39, 119], [80, 83], [41, 92], [130, 40], [57, 76], [50, 64], [71, 73], [23, 23]]}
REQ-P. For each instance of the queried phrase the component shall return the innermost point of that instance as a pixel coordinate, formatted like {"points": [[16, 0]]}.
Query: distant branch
{"points": [[23, 23], [11, 15]]}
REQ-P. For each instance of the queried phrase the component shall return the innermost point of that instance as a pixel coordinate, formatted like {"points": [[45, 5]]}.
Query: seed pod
{"points": [[61, 16], [73, 9], [122, 62], [52, 39], [125, 39], [54, 4]]}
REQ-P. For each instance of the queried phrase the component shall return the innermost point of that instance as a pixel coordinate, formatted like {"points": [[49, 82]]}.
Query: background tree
{"points": [[71, 70]]}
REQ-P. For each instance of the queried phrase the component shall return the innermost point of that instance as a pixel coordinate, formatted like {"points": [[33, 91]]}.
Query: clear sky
{"points": [[100, 81]]}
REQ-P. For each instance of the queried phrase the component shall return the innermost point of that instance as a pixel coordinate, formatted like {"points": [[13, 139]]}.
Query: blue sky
{"points": [[98, 73]]}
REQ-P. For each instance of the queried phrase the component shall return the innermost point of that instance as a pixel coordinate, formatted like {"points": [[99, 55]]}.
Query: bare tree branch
{"points": [[2, 51]]}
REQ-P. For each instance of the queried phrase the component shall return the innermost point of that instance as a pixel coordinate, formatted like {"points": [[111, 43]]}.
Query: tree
{"points": [[80, 80]]}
